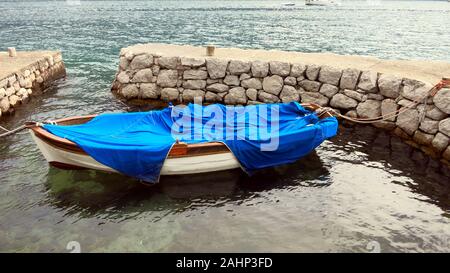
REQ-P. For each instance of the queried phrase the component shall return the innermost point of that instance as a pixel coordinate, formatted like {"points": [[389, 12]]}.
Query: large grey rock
{"points": [[231, 80], [312, 72], [267, 97], [16, 86], [314, 97], [212, 97], [123, 63], [442, 100], [260, 69], [9, 91], [273, 84], [123, 77], [218, 88], [4, 105], [440, 142], [280, 68], [341, 101], [368, 81], [408, 120], [406, 103], [236, 95], [168, 62], [217, 68], [22, 92], [310, 86], [352, 114], [429, 126], [169, 94], [415, 90], [444, 126], [330, 75], [194, 84], [195, 74], [211, 81], [328, 90], [252, 94], [222, 95], [150, 91], [288, 94], [297, 70], [354, 94], [434, 113], [389, 85], [2, 92], [167, 78], [22, 82], [155, 70], [244, 76], [14, 100], [28, 83], [141, 61], [373, 96], [127, 53], [292, 81], [144, 75], [192, 62], [237, 67], [349, 78], [423, 138], [252, 83], [389, 107], [369, 109], [130, 91], [189, 94]]}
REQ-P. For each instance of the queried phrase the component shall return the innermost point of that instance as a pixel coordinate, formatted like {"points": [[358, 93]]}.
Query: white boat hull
{"points": [[172, 166]]}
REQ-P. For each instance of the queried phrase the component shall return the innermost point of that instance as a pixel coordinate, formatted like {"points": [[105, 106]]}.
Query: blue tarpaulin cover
{"points": [[260, 136]]}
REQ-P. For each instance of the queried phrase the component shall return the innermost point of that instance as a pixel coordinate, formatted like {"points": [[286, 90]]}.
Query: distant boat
{"points": [[293, 4], [322, 2]]}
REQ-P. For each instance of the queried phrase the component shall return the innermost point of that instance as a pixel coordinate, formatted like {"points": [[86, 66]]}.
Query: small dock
{"points": [[26, 73], [400, 96]]}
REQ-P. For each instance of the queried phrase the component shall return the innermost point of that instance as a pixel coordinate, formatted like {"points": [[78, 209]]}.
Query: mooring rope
{"points": [[433, 91], [24, 126], [320, 111], [10, 132]]}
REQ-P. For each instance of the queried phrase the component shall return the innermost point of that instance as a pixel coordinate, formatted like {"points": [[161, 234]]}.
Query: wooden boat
{"points": [[182, 158]]}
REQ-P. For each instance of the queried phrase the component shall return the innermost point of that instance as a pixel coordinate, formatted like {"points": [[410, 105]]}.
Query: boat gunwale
{"points": [[179, 149]]}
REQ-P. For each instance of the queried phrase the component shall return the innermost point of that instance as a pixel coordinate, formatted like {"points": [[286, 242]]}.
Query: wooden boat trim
{"points": [[178, 149]]}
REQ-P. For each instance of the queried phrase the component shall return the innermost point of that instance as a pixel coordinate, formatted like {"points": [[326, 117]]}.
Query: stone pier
{"points": [[357, 86], [27, 74]]}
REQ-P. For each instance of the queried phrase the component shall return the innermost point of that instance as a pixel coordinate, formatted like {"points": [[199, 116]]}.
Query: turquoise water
{"points": [[362, 186]]}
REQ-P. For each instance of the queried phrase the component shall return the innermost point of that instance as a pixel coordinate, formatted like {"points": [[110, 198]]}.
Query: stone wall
{"points": [[355, 93], [17, 87]]}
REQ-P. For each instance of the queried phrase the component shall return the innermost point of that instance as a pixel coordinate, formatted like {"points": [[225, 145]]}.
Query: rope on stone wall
{"points": [[320, 111], [433, 91]]}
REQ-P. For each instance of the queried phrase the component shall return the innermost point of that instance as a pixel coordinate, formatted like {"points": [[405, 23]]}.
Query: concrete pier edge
{"points": [[25, 75], [357, 86]]}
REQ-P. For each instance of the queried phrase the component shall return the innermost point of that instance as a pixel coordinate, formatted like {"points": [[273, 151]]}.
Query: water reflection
{"points": [[378, 149], [94, 192]]}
